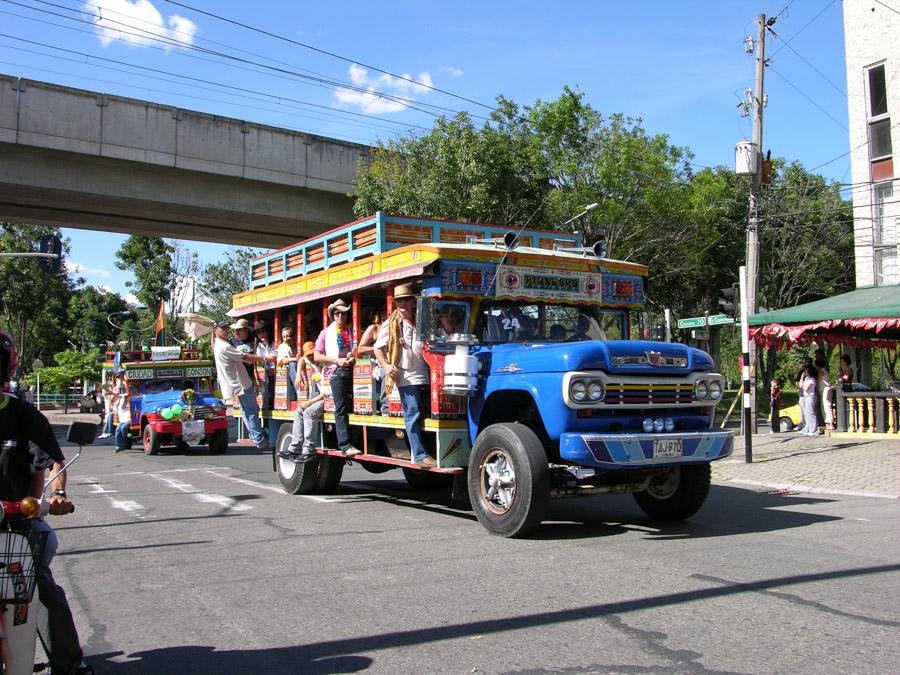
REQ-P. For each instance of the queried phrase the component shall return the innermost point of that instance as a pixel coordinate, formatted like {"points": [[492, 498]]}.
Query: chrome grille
{"points": [[650, 393], [202, 412]]}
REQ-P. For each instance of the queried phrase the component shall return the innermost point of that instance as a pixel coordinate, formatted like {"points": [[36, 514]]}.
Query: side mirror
{"points": [[82, 433]]}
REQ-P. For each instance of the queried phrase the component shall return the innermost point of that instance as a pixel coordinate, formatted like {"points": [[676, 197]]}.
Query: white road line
{"points": [[797, 487], [73, 479], [272, 488], [201, 496], [127, 505]]}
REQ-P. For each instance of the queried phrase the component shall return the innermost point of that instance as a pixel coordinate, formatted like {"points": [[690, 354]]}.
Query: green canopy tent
{"points": [[866, 317]]}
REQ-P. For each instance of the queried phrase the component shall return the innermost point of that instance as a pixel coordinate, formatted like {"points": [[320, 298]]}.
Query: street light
{"points": [[587, 209]]}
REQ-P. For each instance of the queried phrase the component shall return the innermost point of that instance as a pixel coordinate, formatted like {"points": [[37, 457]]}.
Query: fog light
{"points": [[658, 425], [648, 425], [670, 424]]}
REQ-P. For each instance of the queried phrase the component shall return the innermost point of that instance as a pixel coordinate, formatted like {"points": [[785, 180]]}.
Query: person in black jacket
{"points": [[22, 474]]}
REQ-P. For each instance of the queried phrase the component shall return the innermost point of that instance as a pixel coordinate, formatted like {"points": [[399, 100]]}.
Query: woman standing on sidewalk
{"points": [[808, 401]]}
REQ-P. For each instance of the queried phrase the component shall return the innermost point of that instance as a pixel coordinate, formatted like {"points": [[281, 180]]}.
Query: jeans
{"points": [[412, 397], [123, 441], [305, 429], [342, 392], [379, 406], [108, 425], [250, 413], [65, 650], [291, 377]]}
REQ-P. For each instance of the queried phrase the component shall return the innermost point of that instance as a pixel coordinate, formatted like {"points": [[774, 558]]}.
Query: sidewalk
{"points": [[787, 462], [790, 462]]}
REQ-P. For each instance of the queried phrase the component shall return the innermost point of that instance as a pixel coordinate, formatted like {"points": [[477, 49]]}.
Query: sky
{"points": [[366, 71]]}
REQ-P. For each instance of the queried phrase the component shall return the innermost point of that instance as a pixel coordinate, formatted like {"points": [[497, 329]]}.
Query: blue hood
{"points": [[544, 357], [150, 403]]}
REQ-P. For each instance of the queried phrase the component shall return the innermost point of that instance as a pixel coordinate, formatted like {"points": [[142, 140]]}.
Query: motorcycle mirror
{"points": [[82, 433]]}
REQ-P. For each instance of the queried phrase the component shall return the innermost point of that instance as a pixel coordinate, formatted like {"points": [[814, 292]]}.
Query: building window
{"points": [[879, 123], [887, 236]]}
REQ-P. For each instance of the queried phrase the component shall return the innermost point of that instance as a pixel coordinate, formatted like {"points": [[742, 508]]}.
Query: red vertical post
{"points": [[299, 330], [356, 307], [276, 328]]}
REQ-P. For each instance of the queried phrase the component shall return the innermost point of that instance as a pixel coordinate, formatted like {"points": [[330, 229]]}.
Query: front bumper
{"points": [[631, 451], [174, 428]]}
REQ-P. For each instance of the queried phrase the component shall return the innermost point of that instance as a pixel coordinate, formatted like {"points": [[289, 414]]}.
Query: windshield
{"points": [[511, 321], [159, 386]]}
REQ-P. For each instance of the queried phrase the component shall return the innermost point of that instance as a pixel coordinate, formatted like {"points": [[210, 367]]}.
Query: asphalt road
{"points": [[201, 564]]}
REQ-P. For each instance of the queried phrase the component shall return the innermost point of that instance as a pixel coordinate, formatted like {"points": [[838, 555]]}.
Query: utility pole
{"points": [[753, 220]]}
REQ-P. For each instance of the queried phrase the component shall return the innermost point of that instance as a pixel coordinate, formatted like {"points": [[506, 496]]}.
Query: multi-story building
{"points": [[871, 31]]}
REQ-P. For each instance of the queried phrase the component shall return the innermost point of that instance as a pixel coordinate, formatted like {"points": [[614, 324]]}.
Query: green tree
{"points": [[89, 308], [33, 305], [150, 259], [220, 281], [72, 366]]}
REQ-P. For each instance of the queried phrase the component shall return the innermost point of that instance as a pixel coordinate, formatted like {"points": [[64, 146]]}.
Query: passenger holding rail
{"points": [[399, 351], [334, 351], [288, 359]]}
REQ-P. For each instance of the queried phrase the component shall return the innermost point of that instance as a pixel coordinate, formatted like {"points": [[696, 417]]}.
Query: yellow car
{"points": [[788, 418]]}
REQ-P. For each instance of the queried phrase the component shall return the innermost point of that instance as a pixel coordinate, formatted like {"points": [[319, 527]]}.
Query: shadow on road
{"points": [[727, 511], [346, 655]]}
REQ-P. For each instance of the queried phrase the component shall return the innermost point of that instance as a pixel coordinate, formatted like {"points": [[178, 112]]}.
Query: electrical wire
{"points": [[805, 26], [326, 53], [204, 81], [808, 98], [171, 42]]}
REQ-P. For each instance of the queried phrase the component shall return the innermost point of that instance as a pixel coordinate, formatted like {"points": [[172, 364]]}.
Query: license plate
{"points": [[667, 447]]}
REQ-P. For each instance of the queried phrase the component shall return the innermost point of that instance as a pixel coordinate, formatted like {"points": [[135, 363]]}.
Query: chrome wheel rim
{"points": [[286, 467], [498, 481]]}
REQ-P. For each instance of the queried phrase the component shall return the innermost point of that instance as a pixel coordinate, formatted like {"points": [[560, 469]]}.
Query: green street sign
{"points": [[719, 319], [695, 322]]}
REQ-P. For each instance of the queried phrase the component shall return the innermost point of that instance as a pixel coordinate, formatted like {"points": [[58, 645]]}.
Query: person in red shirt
{"points": [[775, 404]]}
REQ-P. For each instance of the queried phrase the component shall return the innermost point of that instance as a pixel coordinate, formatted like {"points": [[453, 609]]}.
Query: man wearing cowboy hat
{"points": [[399, 352], [234, 380], [242, 341], [334, 351]]}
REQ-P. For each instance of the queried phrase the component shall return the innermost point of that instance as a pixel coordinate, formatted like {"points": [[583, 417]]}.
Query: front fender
{"points": [[543, 388]]}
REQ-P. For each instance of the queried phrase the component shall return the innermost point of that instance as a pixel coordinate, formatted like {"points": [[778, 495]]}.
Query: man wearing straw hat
{"points": [[399, 352]]}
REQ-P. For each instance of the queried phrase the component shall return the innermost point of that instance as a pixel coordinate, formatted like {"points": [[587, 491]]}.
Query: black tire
{"points": [[677, 494], [785, 424], [296, 478], [521, 502], [330, 471], [218, 442], [425, 480], [152, 441]]}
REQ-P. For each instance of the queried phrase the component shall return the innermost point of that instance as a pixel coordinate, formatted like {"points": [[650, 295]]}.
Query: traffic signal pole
{"points": [[753, 219]]}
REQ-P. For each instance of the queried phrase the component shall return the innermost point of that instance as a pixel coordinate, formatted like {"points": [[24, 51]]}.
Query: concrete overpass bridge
{"points": [[76, 158]]}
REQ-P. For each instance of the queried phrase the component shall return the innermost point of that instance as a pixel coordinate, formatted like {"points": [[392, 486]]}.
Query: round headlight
{"points": [[579, 391], [218, 407], [648, 425], [658, 425], [715, 390], [700, 389], [595, 390], [670, 424]]}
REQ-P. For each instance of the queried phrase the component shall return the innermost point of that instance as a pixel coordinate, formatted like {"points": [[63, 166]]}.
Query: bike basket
{"points": [[20, 555]]}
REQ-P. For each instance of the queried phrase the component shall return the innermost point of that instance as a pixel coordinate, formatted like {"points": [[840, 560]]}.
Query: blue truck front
{"points": [[617, 405]]}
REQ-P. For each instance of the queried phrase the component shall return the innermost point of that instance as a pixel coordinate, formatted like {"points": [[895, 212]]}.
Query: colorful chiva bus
{"points": [[171, 398], [540, 394]]}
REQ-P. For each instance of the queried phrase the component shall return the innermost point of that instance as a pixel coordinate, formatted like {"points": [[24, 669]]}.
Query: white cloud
{"points": [[77, 268], [132, 299], [451, 71], [103, 288], [371, 100], [140, 20]]}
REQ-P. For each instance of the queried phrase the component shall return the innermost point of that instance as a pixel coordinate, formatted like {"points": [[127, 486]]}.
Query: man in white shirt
{"points": [[407, 369], [288, 359], [234, 381], [267, 350]]}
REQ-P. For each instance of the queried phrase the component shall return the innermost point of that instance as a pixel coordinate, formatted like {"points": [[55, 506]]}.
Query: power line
{"points": [[204, 81], [819, 72], [164, 39], [326, 52], [800, 91], [887, 6], [805, 26]]}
